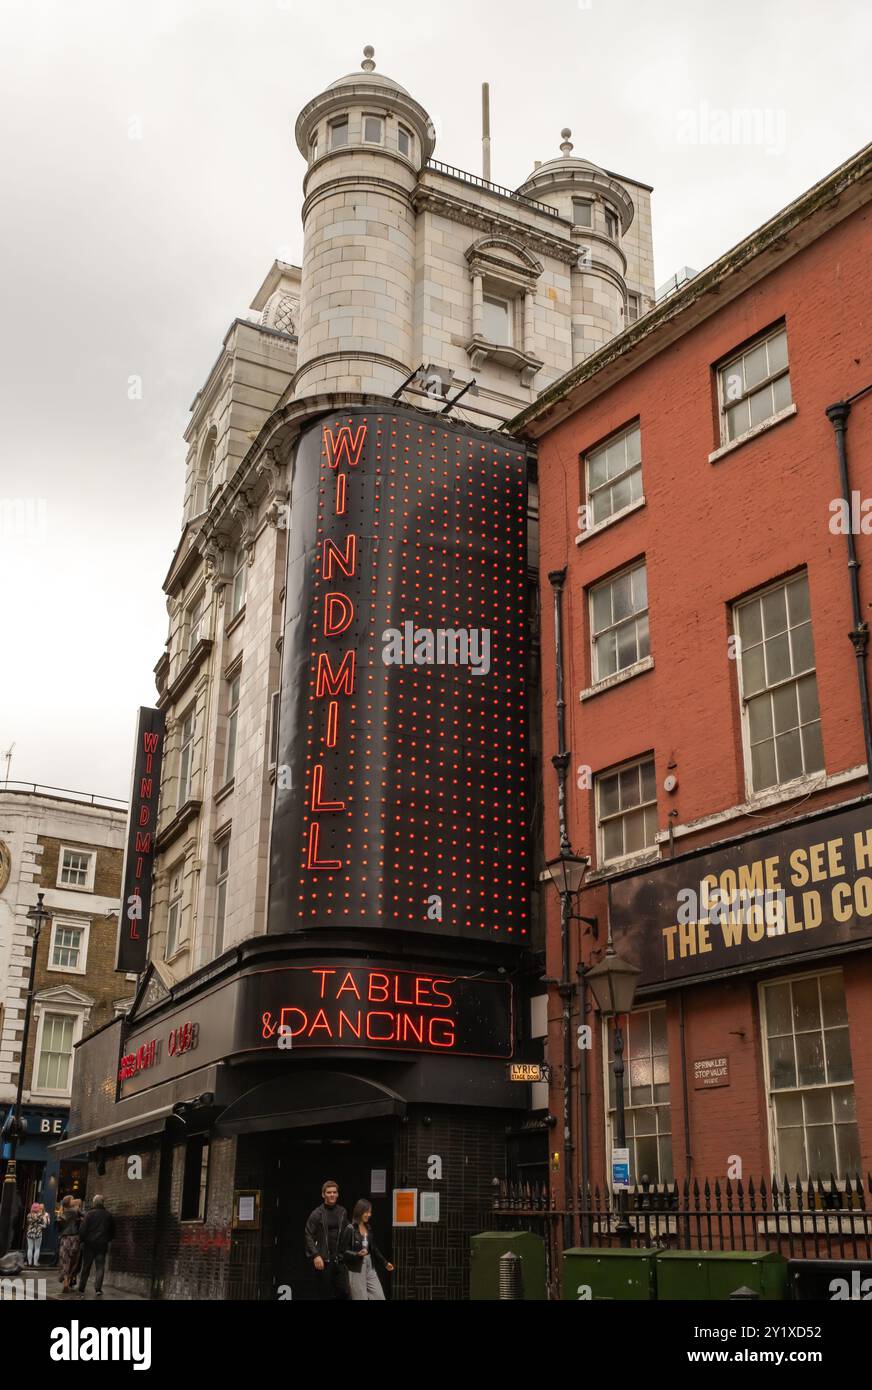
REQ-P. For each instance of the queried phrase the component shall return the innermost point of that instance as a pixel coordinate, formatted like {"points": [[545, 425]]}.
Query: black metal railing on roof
{"points": [[465, 176], [64, 794]]}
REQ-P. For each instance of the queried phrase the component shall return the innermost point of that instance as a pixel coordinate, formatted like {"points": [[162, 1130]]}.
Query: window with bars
{"points": [[778, 685], [754, 386], [626, 808], [232, 723], [648, 1119], [237, 593], [613, 475], [810, 1077], [186, 758], [174, 915], [221, 893], [619, 622], [76, 868], [54, 1067], [67, 948]]}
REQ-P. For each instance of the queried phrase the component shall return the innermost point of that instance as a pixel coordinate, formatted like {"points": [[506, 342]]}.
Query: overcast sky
{"points": [[126, 256]]}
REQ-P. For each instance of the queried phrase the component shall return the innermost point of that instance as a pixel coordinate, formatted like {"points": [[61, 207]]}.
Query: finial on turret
{"points": [[567, 146], [368, 54]]}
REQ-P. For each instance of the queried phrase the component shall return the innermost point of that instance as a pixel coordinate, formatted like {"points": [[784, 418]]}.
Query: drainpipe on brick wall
{"points": [[838, 417], [688, 1154], [560, 762]]}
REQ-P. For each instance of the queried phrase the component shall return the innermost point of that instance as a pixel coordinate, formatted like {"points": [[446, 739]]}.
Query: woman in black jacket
{"points": [[360, 1254]]}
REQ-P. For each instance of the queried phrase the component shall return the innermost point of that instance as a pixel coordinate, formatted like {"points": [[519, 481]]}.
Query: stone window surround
{"points": [[80, 1013], [88, 885], [82, 924], [490, 273]]}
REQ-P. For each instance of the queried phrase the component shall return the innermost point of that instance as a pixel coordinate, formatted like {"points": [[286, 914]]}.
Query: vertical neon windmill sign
{"points": [[404, 700]]}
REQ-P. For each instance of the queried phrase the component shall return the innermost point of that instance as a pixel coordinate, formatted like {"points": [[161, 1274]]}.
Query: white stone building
{"points": [[407, 263]]}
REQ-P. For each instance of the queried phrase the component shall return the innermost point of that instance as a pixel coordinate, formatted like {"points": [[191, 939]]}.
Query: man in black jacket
{"points": [[98, 1229], [323, 1234]]}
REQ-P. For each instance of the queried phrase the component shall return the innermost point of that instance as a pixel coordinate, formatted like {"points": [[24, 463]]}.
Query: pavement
{"points": [[55, 1294]]}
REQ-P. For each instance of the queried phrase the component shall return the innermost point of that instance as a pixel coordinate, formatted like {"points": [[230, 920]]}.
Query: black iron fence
{"points": [[817, 1219]]}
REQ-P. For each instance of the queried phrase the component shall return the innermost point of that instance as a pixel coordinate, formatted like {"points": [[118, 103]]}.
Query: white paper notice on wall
{"points": [[246, 1209], [428, 1206], [378, 1181]]}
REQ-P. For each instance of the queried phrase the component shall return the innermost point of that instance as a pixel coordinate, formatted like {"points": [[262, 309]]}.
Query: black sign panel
{"points": [[770, 896], [328, 1005], [401, 788], [136, 878]]}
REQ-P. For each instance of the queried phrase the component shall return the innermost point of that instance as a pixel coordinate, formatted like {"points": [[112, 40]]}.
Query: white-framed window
{"points": [[634, 306], [186, 758], [498, 315], [373, 130], [754, 385], [76, 868], [232, 724], [68, 948], [57, 1034], [196, 622], [313, 148], [648, 1117], [809, 1077], [781, 726], [613, 474], [626, 809], [582, 212], [338, 133], [611, 223], [404, 141], [619, 622], [174, 914], [274, 728], [223, 871], [237, 592]]}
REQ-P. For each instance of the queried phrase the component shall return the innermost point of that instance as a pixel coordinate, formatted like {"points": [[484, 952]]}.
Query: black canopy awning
{"points": [[308, 1099]]}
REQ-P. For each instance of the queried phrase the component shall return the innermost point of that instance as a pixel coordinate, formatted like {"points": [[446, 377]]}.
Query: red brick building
{"points": [[715, 678]]}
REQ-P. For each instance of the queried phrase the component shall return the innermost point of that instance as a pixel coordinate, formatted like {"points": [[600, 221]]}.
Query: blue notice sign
{"points": [[620, 1169]]}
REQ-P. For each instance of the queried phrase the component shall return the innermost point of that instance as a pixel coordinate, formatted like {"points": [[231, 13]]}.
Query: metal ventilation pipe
{"points": [[511, 1285]]}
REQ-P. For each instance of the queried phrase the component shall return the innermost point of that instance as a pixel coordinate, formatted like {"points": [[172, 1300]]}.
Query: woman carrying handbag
{"points": [[361, 1254]]}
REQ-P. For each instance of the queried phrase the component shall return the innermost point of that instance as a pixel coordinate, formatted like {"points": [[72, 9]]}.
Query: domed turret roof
{"points": [[565, 162], [368, 77]]}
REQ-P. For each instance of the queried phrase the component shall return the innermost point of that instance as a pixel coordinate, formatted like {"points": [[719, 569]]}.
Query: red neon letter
{"points": [[445, 995], [333, 719], [317, 1023], [145, 785], [377, 1037], [143, 843], [343, 1016], [341, 481], [150, 742], [313, 861], [336, 623], [446, 1024], [328, 682], [144, 815], [379, 998], [332, 556], [323, 974], [348, 986], [292, 1032], [345, 445], [316, 803]]}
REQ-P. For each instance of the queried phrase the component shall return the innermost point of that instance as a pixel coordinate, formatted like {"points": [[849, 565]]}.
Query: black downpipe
{"points": [[838, 417], [688, 1151], [560, 762]]}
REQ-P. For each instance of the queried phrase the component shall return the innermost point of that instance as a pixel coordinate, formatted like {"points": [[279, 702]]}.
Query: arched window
{"points": [[205, 474]]}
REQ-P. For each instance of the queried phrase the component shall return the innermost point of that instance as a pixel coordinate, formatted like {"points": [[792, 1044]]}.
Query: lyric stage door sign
{"points": [[770, 896], [401, 790], [342, 1005], [136, 877]]}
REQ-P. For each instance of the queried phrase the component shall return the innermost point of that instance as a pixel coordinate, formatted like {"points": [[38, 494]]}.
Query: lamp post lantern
{"points": [[37, 917], [613, 985]]}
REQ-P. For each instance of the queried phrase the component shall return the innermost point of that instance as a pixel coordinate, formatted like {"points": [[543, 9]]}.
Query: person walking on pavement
{"points": [[324, 1230], [37, 1220], [69, 1222], [361, 1254], [98, 1229]]}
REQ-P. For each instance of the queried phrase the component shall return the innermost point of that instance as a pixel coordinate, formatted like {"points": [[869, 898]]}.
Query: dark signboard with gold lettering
{"points": [[769, 896]]}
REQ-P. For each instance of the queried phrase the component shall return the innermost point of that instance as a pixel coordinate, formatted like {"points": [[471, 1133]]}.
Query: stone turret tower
{"points": [[601, 213], [365, 140]]}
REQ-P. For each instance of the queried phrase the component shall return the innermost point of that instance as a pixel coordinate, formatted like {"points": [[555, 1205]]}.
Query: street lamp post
{"points": [[37, 917], [567, 874], [613, 985]]}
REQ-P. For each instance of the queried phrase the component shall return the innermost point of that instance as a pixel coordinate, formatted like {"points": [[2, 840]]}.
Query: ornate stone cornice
{"points": [[442, 204]]}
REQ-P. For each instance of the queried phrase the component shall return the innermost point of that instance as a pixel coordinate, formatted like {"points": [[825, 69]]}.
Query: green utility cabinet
{"points": [[712, 1275], [628, 1275], [485, 1251]]}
